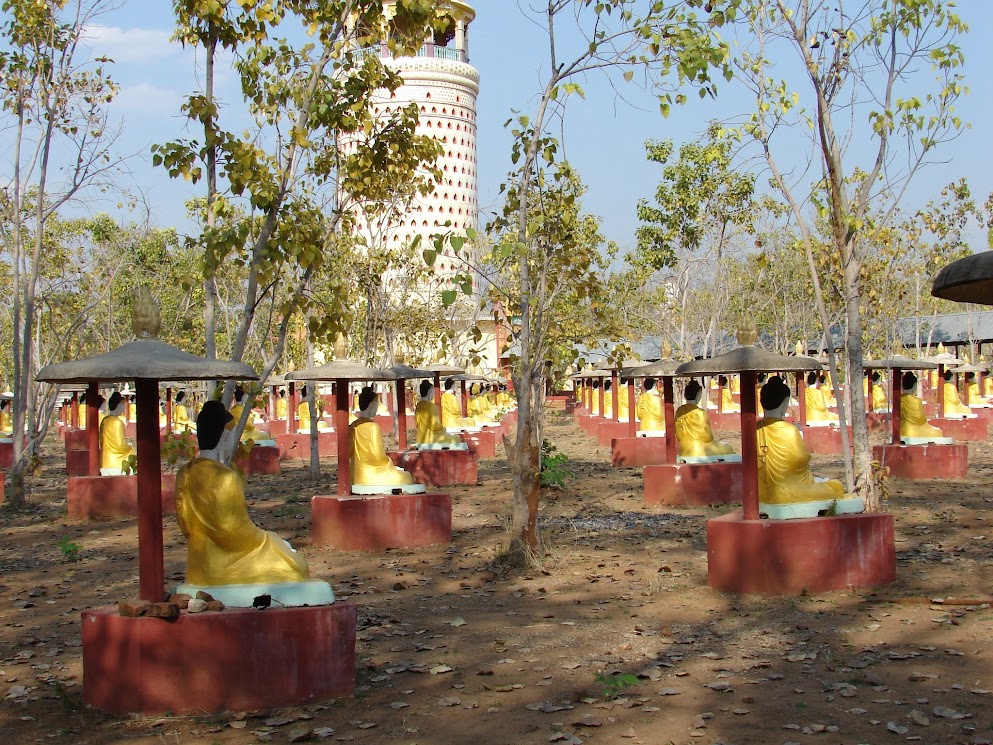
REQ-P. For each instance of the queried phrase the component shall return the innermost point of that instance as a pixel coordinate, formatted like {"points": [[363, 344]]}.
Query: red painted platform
{"points": [[588, 422], [75, 439], [725, 421], [782, 557], [6, 454], [636, 452], [3, 487], [438, 467], [276, 427], [261, 459], [112, 496], [385, 423], [983, 413], [924, 461], [77, 462], [482, 443], [608, 430], [963, 430], [377, 523], [877, 423], [825, 440], [297, 446], [238, 659], [693, 484]]}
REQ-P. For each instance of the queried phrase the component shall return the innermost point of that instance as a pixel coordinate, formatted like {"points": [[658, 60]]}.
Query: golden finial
{"points": [[666, 350], [800, 349], [941, 348], [147, 319], [341, 347], [747, 334]]}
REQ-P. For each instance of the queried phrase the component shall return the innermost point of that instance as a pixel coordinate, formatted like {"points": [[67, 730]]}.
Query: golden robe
{"points": [[370, 464], [784, 467], [6, 422], [953, 404], [223, 545], [816, 406], [988, 386], [623, 406], [728, 404], [879, 402], [303, 415], [430, 430], [913, 420], [250, 432], [282, 408], [694, 434], [451, 412], [608, 404], [649, 412], [114, 448], [479, 410], [181, 421], [975, 397]]}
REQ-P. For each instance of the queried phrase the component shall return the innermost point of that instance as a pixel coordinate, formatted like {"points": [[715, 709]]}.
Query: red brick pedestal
{"points": [[6, 454], [635, 452], [3, 487], [924, 461], [77, 462], [112, 496], [75, 439], [781, 557], [963, 430], [261, 459], [239, 659], [376, 523], [482, 443], [878, 423], [693, 484], [608, 430], [438, 467], [725, 421], [824, 440], [588, 422], [297, 446], [277, 427]]}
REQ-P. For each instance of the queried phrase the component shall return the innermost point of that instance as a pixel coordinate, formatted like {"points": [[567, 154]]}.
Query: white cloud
{"points": [[146, 98], [130, 45]]}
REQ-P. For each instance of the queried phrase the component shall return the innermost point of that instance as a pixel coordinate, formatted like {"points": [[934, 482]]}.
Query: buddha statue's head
{"points": [[239, 395], [970, 376], [282, 393], [368, 402], [775, 398], [212, 422], [693, 392], [822, 378], [812, 379], [449, 384], [722, 381], [876, 377], [948, 376], [606, 385], [303, 393], [427, 390], [116, 404], [909, 382], [649, 383], [596, 384], [180, 397]]}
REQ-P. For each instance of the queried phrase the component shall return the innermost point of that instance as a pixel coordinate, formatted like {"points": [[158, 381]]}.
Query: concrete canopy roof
{"points": [[407, 372], [145, 359], [899, 362], [341, 370], [744, 359], [968, 280], [651, 370]]}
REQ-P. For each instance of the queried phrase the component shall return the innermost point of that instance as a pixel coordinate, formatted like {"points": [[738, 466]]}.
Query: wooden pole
{"points": [[749, 448], [464, 403], [941, 390], [74, 422], [150, 563], [344, 433], [168, 409]]}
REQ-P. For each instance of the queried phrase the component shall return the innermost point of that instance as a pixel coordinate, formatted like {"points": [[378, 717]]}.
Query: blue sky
{"points": [[604, 136]]}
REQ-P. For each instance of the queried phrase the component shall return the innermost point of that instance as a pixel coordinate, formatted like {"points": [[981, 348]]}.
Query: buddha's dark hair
{"points": [[115, 400], [948, 374], [692, 390], [180, 397], [366, 397], [426, 385], [774, 393], [722, 380], [811, 378], [875, 376], [303, 391], [909, 381], [238, 394], [606, 385], [211, 420], [649, 383], [449, 383]]}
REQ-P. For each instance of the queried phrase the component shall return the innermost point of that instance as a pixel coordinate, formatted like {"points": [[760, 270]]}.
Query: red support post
{"points": [[801, 397], [344, 437], [291, 411], [749, 448], [168, 392], [632, 419], [74, 421], [437, 390], [896, 391], [669, 407], [93, 429], [615, 413], [464, 402], [150, 562], [941, 390], [600, 393], [401, 412]]}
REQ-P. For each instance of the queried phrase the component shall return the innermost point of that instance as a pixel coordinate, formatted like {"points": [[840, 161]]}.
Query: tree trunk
{"points": [[526, 546]]}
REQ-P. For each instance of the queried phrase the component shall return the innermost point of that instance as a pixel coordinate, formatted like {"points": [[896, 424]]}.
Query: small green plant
{"points": [[178, 446], [130, 465], [614, 685], [70, 551], [553, 468]]}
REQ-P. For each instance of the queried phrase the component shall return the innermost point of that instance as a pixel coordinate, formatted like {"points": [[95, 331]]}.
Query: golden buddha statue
{"points": [[114, 448], [251, 432], [880, 403], [988, 387], [224, 546], [913, 420], [506, 401], [827, 390], [303, 414], [693, 432], [649, 409], [954, 408], [816, 409], [786, 486], [728, 405], [623, 404], [478, 407], [181, 421], [282, 408], [430, 430], [608, 400], [6, 420], [370, 464], [451, 410]]}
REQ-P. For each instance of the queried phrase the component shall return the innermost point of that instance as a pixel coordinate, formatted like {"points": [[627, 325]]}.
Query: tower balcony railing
{"points": [[428, 50]]}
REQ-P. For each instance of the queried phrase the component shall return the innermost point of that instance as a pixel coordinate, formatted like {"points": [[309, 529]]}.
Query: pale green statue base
{"points": [[652, 433], [926, 440], [460, 430], [845, 506], [112, 472], [264, 443], [961, 416], [284, 594], [703, 459], [373, 489], [440, 446], [825, 423]]}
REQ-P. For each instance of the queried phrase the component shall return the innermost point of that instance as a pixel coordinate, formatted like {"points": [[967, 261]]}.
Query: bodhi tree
{"points": [[673, 44], [279, 193], [871, 88]]}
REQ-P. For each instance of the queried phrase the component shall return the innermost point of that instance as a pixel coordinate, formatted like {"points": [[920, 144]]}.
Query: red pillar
{"points": [[801, 397], [669, 409], [150, 562], [93, 429], [896, 390], [615, 415], [401, 410], [74, 420], [632, 423], [168, 412], [291, 411], [437, 390], [344, 436], [600, 393], [941, 390], [749, 450], [464, 401]]}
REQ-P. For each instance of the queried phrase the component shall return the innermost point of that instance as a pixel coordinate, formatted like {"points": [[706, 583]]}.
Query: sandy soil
{"points": [[537, 658]]}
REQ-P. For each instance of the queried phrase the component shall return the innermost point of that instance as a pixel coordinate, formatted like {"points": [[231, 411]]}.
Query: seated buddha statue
{"points": [[504, 399], [815, 405], [693, 433], [478, 407], [879, 401], [181, 421], [431, 433], [608, 400], [787, 489], [913, 420], [954, 408], [282, 408], [225, 550], [114, 448], [251, 433], [988, 387], [595, 398], [6, 420], [303, 414], [728, 405], [651, 419], [371, 466], [623, 404], [975, 398], [451, 409], [826, 387]]}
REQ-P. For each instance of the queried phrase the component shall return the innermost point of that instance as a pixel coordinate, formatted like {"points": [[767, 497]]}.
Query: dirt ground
{"points": [[548, 656]]}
